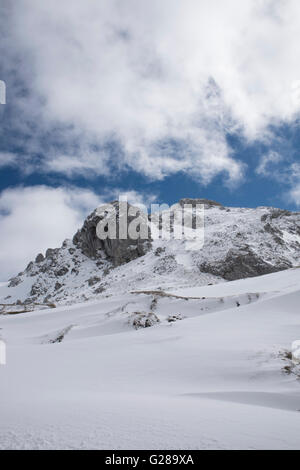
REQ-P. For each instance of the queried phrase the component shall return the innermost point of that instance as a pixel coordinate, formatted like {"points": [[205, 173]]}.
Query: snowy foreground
{"points": [[219, 377]]}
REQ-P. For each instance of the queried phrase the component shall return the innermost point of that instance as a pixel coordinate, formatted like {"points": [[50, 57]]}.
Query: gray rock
{"points": [[62, 271], [159, 251], [166, 264], [39, 258], [274, 213], [143, 319], [37, 289], [15, 281], [194, 202], [29, 266], [93, 280], [118, 250], [275, 232], [240, 264], [51, 252], [47, 299]]}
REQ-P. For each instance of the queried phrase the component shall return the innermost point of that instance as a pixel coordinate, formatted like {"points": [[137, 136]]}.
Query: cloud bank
{"points": [[159, 83]]}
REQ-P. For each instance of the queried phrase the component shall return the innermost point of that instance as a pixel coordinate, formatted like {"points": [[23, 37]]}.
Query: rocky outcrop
{"points": [[39, 258], [194, 202], [239, 264], [118, 250]]}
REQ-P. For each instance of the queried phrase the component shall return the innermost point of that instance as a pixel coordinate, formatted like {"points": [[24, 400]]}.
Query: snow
{"points": [[81, 377], [296, 351], [296, 355], [295, 345]]}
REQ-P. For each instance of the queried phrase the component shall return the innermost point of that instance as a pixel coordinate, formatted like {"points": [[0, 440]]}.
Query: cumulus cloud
{"points": [[7, 159], [136, 199], [165, 81], [294, 193], [87, 164], [35, 218], [268, 164], [285, 172]]}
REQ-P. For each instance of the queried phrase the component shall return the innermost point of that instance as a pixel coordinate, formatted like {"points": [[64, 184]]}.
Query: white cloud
{"points": [[35, 218], [104, 70], [135, 198], [294, 195], [85, 164], [140, 72], [7, 159], [285, 173], [268, 163]]}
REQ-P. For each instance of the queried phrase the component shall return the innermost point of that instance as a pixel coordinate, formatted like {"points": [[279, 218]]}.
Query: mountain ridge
{"points": [[239, 243]]}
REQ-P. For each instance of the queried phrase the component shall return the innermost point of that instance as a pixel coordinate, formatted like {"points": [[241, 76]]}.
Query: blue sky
{"points": [[255, 190], [157, 101]]}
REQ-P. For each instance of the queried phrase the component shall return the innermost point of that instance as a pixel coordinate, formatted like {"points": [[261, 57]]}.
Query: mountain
{"points": [[238, 243], [218, 369]]}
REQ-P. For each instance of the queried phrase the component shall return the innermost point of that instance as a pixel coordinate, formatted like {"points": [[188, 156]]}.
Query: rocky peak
{"points": [[193, 202], [118, 250], [238, 243]]}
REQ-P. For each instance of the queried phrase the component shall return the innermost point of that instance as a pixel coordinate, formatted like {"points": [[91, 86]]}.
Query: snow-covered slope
{"points": [[239, 243], [214, 371]]}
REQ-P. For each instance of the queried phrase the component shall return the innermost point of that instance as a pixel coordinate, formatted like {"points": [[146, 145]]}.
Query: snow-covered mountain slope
{"points": [[239, 243], [215, 371]]}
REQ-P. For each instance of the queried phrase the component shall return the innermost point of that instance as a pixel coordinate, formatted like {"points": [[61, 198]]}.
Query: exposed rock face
{"points": [[118, 250], [51, 253], [15, 281], [39, 258], [194, 202], [239, 264], [86, 238], [242, 243]]}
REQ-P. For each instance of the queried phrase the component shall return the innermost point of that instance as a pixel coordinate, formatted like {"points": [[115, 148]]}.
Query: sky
{"points": [[153, 100]]}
